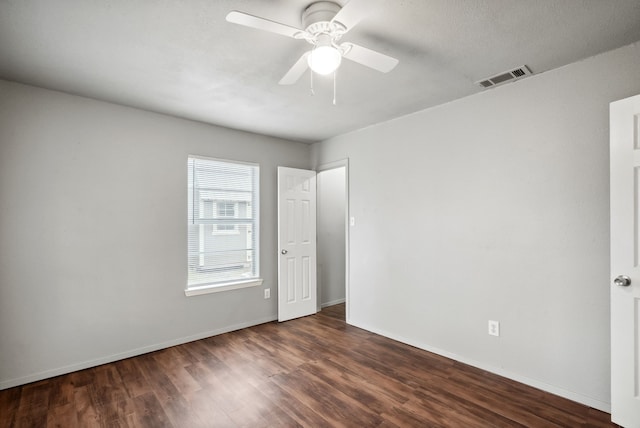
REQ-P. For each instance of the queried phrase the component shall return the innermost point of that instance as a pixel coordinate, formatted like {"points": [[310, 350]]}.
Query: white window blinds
{"points": [[222, 221]]}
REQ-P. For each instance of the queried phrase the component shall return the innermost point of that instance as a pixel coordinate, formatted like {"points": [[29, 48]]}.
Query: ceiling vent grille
{"points": [[507, 76]]}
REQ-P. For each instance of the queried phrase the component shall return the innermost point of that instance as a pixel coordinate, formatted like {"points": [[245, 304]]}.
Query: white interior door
{"points": [[296, 243], [625, 262]]}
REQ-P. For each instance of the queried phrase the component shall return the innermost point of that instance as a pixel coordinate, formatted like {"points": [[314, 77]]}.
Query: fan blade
{"points": [[369, 58], [247, 20], [354, 11], [296, 71]]}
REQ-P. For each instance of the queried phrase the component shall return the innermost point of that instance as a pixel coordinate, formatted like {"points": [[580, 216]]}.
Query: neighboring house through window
{"points": [[226, 210], [222, 225]]}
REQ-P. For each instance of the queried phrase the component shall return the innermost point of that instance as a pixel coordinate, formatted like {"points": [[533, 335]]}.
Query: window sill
{"points": [[216, 288]]}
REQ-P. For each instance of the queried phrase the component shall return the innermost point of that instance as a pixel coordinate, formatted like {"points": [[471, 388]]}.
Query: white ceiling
{"points": [[182, 58]]}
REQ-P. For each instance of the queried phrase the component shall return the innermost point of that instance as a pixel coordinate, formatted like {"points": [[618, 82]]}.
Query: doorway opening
{"points": [[333, 235]]}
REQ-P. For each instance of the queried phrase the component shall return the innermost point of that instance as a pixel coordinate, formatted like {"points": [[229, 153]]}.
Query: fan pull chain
{"points": [[311, 78], [334, 86]]}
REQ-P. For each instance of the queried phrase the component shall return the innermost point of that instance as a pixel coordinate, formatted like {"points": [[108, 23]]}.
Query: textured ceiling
{"points": [[182, 58]]}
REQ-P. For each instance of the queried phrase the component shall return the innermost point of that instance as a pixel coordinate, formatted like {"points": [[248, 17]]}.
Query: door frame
{"points": [[326, 167]]}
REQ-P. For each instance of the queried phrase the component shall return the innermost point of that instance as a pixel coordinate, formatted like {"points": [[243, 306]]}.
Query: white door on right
{"points": [[625, 261]]}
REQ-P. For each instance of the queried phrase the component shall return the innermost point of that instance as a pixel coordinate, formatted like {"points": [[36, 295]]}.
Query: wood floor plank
{"points": [[180, 412], [293, 406], [60, 392], [9, 401], [183, 381], [505, 408], [315, 371], [443, 395], [86, 413], [349, 384], [34, 418], [132, 377], [108, 387], [338, 408], [162, 387], [258, 411], [281, 353], [148, 412], [203, 412], [523, 398], [401, 417], [392, 389], [35, 396], [63, 416], [207, 375]]}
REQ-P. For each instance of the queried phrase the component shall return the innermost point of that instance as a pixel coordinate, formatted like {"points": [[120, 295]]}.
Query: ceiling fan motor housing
{"points": [[316, 19]]}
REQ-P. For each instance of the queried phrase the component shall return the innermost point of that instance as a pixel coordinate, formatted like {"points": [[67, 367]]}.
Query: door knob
{"points": [[283, 252], [622, 281]]}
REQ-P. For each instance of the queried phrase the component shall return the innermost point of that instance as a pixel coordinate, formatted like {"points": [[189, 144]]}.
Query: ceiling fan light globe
{"points": [[324, 59]]}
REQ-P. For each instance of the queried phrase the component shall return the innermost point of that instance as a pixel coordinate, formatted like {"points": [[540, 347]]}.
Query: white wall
{"points": [[331, 195], [495, 206], [93, 231]]}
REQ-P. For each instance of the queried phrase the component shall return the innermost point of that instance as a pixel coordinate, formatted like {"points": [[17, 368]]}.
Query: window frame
{"points": [[254, 202]]}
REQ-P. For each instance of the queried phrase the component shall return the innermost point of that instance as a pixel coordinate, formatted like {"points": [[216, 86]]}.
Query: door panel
{"points": [[296, 243], [625, 257]]}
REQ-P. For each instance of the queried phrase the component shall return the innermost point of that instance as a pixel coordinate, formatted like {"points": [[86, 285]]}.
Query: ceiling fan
{"points": [[324, 23]]}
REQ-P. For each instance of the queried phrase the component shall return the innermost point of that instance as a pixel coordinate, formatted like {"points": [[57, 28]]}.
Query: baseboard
{"points": [[128, 354], [333, 302], [570, 395]]}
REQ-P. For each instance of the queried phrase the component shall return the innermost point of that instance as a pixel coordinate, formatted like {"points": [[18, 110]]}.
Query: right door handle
{"points": [[283, 252]]}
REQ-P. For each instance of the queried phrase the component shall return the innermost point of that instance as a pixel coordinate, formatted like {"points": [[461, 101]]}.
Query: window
{"points": [[226, 209], [223, 227]]}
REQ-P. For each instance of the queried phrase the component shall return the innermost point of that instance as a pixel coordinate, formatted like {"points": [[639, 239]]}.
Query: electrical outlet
{"points": [[267, 293], [494, 328]]}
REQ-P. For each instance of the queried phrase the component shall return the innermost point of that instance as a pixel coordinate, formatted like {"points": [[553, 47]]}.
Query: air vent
{"points": [[507, 76]]}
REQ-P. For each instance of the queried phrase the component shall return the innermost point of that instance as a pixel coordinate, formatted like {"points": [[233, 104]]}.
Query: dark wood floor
{"points": [[315, 371]]}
